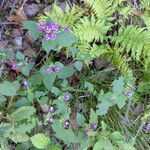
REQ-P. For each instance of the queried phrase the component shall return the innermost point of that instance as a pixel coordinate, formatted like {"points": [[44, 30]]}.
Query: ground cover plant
{"points": [[82, 79]]}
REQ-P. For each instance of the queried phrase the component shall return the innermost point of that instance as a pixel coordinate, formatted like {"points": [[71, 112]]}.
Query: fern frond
{"points": [[63, 18], [122, 65], [90, 29], [133, 39], [96, 51], [103, 8]]}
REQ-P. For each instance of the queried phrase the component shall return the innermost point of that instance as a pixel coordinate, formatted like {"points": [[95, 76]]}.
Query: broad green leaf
{"points": [[24, 112], [93, 117], [48, 80], [62, 109], [66, 72], [80, 119], [19, 56], [78, 65], [66, 135], [2, 100], [26, 69], [4, 128], [103, 144], [5, 54], [106, 102], [40, 141], [49, 45], [32, 28], [66, 39], [117, 138], [120, 100], [9, 88], [118, 86], [55, 91]]}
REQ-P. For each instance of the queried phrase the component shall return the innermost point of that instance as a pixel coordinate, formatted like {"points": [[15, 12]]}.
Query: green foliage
{"points": [[32, 28], [9, 88], [21, 113], [40, 141]]}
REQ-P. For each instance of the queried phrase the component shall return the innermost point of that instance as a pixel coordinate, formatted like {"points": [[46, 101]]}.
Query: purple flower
{"points": [[50, 119], [42, 25], [54, 26], [94, 127], [25, 84], [133, 87], [67, 28], [51, 109], [67, 96], [128, 95], [48, 70], [66, 124], [86, 95], [53, 36], [15, 66], [148, 127], [48, 29], [46, 36], [56, 68], [86, 133], [123, 121]]}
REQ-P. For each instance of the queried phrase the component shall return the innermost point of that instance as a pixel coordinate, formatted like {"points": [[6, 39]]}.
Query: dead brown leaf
{"points": [[18, 18]]}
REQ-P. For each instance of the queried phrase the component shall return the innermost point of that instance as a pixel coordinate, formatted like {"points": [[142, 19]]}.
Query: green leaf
{"points": [[19, 56], [48, 80], [89, 86], [40, 141], [49, 45], [26, 69], [80, 119], [2, 100], [66, 135], [55, 147], [126, 146], [106, 102], [78, 65], [66, 39], [24, 112], [93, 117], [32, 28], [9, 89], [103, 144], [66, 72], [118, 86], [117, 138], [55, 91]]}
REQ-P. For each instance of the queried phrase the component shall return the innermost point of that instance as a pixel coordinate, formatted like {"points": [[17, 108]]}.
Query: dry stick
{"points": [[22, 6]]}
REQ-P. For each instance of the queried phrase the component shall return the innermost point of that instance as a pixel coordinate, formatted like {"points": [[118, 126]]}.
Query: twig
{"points": [[22, 6], [14, 4]]}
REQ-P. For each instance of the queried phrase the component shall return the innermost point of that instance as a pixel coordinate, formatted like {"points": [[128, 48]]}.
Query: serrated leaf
{"points": [[66, 72], [93, 117], [40, 141], [49, 45], [106, 102], [66, 39], [24, 112], [118, 86], [80, 119], [32, 28], [9, 89], [78, 65], [66, 135], [19, 56], [48, 80]]}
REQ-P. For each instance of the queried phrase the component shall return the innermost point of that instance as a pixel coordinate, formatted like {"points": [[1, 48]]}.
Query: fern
{"points": [[90, 29], [121, 64], [134, 39], [63, 18]]}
